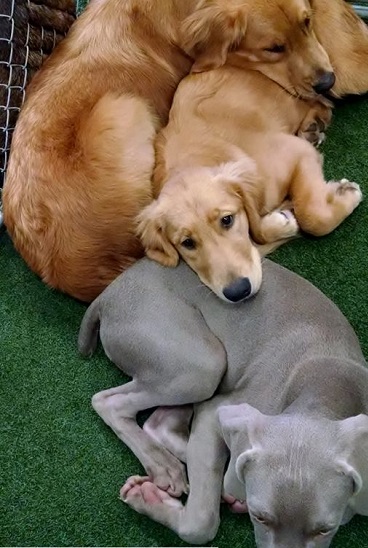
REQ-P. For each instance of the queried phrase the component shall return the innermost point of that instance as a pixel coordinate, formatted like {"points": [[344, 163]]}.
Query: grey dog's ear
{"points": [[353, 442], [212, 30], [242, 427]]}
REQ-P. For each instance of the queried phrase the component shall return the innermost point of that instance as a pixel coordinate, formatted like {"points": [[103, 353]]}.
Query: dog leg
{"points": [[196, 522], [169, 426], [118, 408], [319, 207]]}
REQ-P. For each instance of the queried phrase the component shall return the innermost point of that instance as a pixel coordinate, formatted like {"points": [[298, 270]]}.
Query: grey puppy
{"points": [[279, 384]]}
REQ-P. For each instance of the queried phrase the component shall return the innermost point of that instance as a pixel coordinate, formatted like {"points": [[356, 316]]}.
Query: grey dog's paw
{"points": [[236, 506], [145, 497]]}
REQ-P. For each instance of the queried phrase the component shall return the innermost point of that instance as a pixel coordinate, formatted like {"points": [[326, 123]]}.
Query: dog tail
{"points": [[88, 332]]}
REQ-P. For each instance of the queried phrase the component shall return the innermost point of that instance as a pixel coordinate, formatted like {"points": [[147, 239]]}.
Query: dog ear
{"points": [[151, 230], [242, 428], [354, 448], [242, 177], [212, 30]]}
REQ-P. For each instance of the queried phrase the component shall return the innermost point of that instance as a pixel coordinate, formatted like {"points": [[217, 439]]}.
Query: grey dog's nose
{"points": [[325, 82], [238, 290]]}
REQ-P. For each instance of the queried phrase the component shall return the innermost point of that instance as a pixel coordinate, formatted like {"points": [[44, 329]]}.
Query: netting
{"points": [[29, 32]]}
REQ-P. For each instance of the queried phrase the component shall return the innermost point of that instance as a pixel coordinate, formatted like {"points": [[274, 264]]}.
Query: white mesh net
{"points": [[12, 86], [29, 31]]}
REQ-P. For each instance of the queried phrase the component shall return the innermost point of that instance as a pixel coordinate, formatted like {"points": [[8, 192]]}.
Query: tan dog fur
{"points": [[345, 38], [82, 153], [229, 151]]}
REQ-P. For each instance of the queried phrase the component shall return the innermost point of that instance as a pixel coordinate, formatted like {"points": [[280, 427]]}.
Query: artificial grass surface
{"points": [[61, 468]]}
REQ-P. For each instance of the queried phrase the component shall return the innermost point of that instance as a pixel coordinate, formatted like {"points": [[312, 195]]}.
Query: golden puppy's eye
{"points": [[276, 48], [307, 22], [227, 221], [188, 243]]}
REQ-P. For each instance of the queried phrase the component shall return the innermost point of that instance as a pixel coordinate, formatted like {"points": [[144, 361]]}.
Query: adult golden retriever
{"points": [[226, 161], [82, 153]]}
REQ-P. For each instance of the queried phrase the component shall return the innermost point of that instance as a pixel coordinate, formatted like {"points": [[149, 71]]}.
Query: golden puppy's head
{"points": [[201, 215], [275, 37]]}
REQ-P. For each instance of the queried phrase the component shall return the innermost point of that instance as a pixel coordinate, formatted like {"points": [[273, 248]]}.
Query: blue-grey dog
{"points": [[279, 385]]}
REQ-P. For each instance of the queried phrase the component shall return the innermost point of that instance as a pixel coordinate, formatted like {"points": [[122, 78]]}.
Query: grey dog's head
{"points": [[301, 477]]}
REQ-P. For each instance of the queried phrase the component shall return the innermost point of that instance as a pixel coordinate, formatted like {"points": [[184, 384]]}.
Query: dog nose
{"points": [[325, 82], [238, 290]]}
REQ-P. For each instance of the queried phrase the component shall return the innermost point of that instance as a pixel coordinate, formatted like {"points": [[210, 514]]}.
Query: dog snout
{"points": [[325, 82], [238, 290]]}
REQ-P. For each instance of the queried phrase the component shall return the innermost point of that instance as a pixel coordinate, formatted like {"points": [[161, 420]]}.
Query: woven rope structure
{"points": [[29, 31]]}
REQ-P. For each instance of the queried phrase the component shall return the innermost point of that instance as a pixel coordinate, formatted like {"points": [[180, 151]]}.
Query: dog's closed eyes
{"points": [[314, 473], [277, 37]]}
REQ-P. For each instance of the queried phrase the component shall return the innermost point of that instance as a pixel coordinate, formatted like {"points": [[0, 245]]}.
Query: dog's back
{"points": [[287, 323], [231, 106]]}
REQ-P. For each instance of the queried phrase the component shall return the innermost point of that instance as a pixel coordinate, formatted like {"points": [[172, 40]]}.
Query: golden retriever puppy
{"points": [[82, 154], [226, 162]]}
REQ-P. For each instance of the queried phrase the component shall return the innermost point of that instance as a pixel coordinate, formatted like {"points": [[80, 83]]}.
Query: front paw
{"points": [[314, 133]]}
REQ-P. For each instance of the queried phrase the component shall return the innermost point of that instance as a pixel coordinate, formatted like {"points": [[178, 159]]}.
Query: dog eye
{"points": [[262, 520], [277, 48], [307, 22], [188, 243], [227, 221], [323, 532]]}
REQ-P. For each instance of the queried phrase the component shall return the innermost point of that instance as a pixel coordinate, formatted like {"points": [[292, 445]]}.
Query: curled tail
{"points": [[88, 332]]}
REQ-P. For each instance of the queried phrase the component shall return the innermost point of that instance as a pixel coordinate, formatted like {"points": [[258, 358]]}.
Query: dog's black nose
{"points": [[238, 290], [325, 83]]}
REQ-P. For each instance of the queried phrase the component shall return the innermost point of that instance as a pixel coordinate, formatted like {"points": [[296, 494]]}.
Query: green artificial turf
{"points": [[61, 468]]}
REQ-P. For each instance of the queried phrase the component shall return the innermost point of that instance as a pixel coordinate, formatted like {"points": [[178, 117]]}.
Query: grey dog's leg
{"points": [[169, 426], [118, 408], [184, 368], [196, 522]]}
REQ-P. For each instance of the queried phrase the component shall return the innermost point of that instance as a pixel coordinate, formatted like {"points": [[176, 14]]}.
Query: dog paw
{"points": [[280, 224], [145, 497], [169, 474], [236, 506], [314, 133], [348, 191]]}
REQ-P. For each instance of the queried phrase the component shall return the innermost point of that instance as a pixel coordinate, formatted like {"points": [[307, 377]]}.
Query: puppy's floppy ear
{"points": [[243, 180], [242, 427], [212, 30], [151, 230], [353, 461]]}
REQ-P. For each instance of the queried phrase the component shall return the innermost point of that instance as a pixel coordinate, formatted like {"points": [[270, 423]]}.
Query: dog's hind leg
{"points": [[118, 408], [169, 426], [164, 373], [197, 522], [319, 206]]}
